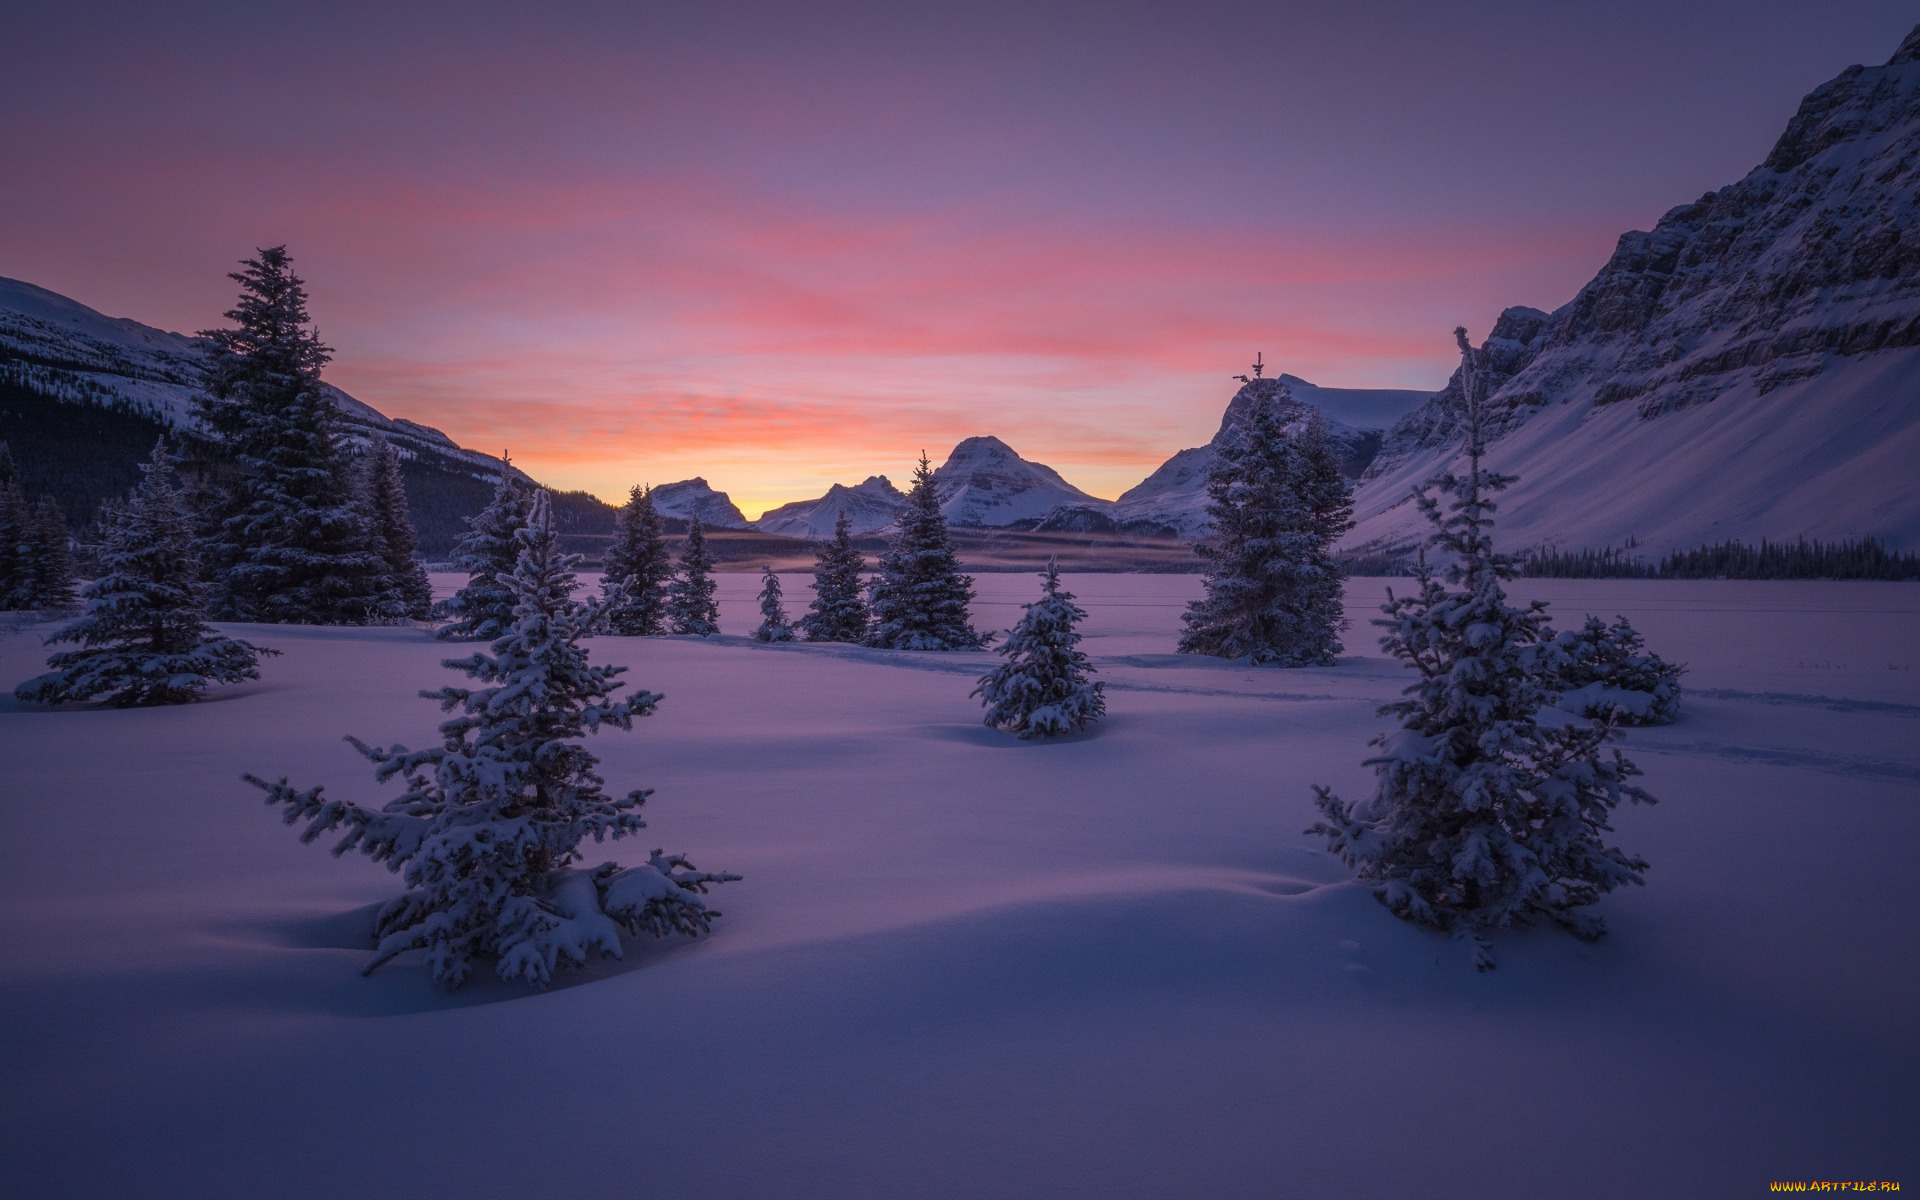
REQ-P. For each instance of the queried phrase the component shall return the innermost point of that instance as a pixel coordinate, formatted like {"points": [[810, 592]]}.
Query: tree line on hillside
{"points": [[1853, 558]]}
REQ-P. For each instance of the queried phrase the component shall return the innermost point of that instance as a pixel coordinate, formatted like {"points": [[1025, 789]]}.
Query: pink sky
{"points": [[781, 250]]}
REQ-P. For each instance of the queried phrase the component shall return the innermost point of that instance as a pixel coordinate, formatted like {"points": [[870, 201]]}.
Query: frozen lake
{"points": [[966, 966]]}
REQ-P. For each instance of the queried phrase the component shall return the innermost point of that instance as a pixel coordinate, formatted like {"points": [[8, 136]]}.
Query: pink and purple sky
{"points": [[784, 246]]}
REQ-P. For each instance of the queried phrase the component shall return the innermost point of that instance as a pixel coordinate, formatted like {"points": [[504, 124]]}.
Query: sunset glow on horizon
{"points": [[782, 250]]}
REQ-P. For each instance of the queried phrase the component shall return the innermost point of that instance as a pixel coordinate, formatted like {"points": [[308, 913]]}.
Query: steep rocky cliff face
{"points": [[1788, 302]]}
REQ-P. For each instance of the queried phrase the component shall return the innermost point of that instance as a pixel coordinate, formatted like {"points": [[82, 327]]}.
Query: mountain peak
{"points": [[1909, 50], [986, 482]]}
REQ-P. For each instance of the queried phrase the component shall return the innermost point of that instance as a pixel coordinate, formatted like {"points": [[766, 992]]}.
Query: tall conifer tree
{"points": [[839, 609], [1273, 589], [291, 544], [482, 609], [633, 579], [691, 607], [919, 599], [1482, 815], [407, 590]]}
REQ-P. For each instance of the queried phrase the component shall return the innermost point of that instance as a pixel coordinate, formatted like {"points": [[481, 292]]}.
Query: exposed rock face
{"points": [[983, 482], [1792, 296], [693, 497], [65, 349], [870, 507]]}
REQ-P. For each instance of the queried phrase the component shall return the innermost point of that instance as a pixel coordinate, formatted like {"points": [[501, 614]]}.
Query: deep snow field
{"points": [[965, 966]]}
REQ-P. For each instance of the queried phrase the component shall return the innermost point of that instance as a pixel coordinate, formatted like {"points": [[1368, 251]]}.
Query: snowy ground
{"points": [[965, 966]]}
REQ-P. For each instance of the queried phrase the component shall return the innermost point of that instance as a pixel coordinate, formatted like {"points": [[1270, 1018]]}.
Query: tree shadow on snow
{"points": [[404, 986]]}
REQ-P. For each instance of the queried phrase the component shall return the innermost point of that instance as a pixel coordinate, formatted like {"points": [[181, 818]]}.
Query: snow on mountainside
{"points": [[870, 506], [691, 497], [1176, 494], [984, 483], [1748, 369], [63, 348]]}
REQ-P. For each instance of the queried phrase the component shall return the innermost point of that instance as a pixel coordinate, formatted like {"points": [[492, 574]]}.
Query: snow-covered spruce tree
{"points": [[1273, 589], [1483, 816], [1607, 671], [292, 544], [482, 609], [407, 593], [774, 626], [691, 607], [142, 640], [1042, 690], [839, 609], [919, 598], [15, 519], [492, 821], [46, 562], [633, 580]]}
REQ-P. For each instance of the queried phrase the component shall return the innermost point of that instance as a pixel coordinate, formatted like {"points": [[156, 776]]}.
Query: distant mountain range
{"points": [[1749, 368]]}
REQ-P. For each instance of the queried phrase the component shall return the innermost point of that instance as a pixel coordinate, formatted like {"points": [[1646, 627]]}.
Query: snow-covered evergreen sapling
{"points": [[1042, 690], [141, 638], [292, 544], [493, 819], [405, 589], [839, 609], [1606, 671], [1483, 815], [482, 609], [774, 626], [633, 578], [919, 598], [1273, 589], [691, 607]]}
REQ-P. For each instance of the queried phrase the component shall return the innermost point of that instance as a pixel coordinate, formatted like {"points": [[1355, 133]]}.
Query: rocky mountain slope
{"points": [[61, 348], [1749, 368], [870, 506], [694, 497], [84, 395]]}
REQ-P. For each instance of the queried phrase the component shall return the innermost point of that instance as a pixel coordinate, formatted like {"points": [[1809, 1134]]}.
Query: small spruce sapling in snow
{"points": [[408, 593], [774, 626], [1607, 671], [839, 609], [482, 609], [1483, 816], [919, 598], [691, 607], [141, 637], [633, 580], [1041, 690], [493, 819]]}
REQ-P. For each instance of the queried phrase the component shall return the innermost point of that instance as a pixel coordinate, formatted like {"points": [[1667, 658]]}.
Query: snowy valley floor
{"points": [[965, 966]]}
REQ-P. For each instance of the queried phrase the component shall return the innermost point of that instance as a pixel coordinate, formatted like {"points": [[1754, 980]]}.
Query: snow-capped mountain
{"points": [[690, 497], [983, 482], [1175, 495], [870, 506], [62, 348], [1749, 368]]}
